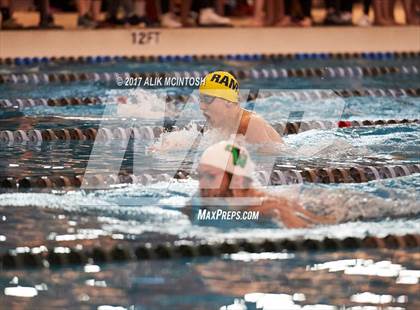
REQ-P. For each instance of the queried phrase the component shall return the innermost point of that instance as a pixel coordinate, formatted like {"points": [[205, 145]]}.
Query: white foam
{"points": [[91, 268], [175, 140], [248, 257], [182, 140], [21, 291], [372, 298], [407, 280], [108, 307], [238, 304], [149, 105]]}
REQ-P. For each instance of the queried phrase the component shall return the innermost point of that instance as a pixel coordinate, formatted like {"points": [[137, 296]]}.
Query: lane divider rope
{"points": [[292, 94], [327, 175], [151, 132], [42, 257], [268, 73], [107, 59]]}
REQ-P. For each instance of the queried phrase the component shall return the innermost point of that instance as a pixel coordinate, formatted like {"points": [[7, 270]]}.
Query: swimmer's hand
{"points": [[292, 214]]}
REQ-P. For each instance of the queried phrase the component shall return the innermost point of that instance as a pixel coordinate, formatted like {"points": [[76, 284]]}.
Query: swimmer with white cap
{"points": [[226, 171], [219, 103]]}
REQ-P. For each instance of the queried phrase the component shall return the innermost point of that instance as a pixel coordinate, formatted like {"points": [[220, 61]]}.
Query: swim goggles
{"points": [[206, 98]]}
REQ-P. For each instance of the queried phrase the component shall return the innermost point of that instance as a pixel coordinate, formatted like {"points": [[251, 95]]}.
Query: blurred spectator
{"points": [[412, 12], [389, 12], [210, 12], [284, 11], [112, 14], [306, 6], [168, 18], [339, 12], [207, 15], [364, 20], [259, 15], [89, 13], [188, 17], [7, 20], [46, 20], [382, 12], [285, 16], [265, 13], [220, 7], [237, 8], [134, 13], [203, 11]]}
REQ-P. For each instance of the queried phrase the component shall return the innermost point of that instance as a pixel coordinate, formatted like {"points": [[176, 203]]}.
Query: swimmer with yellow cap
{"points": [[219, 102], [227, 171]]}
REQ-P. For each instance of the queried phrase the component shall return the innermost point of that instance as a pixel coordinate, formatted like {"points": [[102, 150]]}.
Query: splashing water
{"points": [[323, 143], [185, 138], [137, 209], [143, 104]]}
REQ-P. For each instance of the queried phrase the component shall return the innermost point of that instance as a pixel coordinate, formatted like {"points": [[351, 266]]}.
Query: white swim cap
{"points": [[229, 157]]}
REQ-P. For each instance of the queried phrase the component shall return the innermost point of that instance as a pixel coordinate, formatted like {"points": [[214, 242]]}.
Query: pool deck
{"points": [[240, 39], [207, 41]]}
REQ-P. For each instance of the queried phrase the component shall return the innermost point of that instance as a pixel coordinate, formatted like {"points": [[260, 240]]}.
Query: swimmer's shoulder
{"points": [[261, 131]]}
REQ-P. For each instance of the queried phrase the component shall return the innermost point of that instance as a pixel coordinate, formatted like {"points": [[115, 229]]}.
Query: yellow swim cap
{"points": [[221, 84]]}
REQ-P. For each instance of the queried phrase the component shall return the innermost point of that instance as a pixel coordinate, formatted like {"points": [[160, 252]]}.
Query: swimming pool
{"points": [[299, 90]]}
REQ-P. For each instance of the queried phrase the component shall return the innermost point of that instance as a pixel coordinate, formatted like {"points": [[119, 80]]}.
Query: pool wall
{"points": [[207, 41]]}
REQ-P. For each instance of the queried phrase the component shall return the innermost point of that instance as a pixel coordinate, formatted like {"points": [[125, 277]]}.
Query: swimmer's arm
{"points": [[291, 213]]}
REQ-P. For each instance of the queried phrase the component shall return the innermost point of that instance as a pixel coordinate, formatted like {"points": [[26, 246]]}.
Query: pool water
{"points": [[137, 213], [282, 281]]}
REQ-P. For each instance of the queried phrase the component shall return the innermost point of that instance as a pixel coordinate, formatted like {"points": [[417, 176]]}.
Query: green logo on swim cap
{"points": [[238, 158]]}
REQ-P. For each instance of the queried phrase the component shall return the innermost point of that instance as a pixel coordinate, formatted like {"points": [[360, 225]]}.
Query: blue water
{"points": [[282, 282], [153, 213]]}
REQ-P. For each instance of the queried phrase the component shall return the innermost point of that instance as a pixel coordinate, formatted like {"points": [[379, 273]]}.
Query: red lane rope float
{"points": [[269, 73], [151, 132], [327, 175], [292, 94], [38, 257]]}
